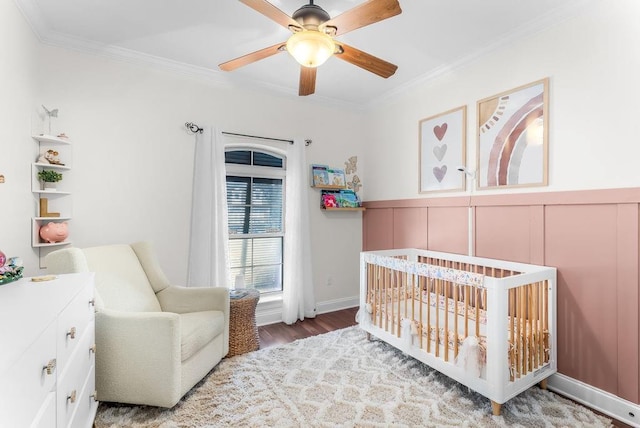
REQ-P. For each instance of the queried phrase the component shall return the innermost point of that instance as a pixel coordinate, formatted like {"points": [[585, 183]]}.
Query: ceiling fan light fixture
{"points": [[311, 48]]}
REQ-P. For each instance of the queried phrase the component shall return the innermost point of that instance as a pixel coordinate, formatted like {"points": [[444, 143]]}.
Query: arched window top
{"points": [[254, 158]]}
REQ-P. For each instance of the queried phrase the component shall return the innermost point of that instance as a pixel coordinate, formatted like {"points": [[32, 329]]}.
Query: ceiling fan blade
{"points": [[362, 15], [271, 12], [252, 57], [366, 61], [307, 80]]}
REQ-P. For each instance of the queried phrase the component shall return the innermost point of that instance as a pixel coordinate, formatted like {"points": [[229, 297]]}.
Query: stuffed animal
{"points": [[354, 184], [350, 166]]}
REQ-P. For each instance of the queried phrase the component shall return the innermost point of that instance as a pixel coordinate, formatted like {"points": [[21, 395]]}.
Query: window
{"points": [[255, 197]]}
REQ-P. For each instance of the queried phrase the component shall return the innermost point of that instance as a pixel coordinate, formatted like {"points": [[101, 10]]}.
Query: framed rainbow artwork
{"points": [[513, 137]]}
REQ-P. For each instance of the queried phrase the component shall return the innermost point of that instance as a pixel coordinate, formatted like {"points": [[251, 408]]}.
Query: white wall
{"points": [[18, 88], [132, 157], [593, 63]]}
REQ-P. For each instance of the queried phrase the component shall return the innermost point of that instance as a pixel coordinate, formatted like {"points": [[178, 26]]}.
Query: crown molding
{"points": [[34, 17], [568, 10]]}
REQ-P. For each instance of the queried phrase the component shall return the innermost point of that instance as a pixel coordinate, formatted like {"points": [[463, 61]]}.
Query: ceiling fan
{"points": [[312, 42]]}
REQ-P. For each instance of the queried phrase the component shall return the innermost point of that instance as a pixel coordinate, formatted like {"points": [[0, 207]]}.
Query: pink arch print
{"points": [[504, 156]]}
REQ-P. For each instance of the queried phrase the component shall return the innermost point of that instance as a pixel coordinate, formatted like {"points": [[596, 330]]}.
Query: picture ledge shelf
{"points": [[344, 209], [51, 139]]}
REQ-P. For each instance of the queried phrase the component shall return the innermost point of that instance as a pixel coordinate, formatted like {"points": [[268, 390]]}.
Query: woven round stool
{"points": [[243, 332]]}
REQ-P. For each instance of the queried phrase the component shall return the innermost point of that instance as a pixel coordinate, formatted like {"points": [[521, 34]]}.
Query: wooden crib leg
{"points": [[496, 408], [543, 384]]}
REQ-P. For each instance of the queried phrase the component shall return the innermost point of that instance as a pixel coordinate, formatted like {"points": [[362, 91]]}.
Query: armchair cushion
{"points": [[120, 279], [197, 329]]}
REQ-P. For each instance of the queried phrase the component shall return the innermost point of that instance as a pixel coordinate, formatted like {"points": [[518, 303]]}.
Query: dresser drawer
{"points": [[46, 417], [87, 403], [73, 377], [25, 385], [73, 322]]}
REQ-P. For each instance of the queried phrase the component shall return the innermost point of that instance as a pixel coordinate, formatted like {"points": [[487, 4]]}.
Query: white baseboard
{"points": [[337, 304], [271, 312], [602, 401]]}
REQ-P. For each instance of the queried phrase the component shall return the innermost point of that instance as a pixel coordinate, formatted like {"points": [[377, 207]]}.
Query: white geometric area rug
{"points": [[340, 379]]}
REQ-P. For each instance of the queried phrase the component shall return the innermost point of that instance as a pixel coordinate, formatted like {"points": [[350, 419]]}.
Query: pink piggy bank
{"points": [[54, 232]]}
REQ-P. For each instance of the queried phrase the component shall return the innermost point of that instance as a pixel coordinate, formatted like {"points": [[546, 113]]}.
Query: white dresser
{"points": [[47, 353]]}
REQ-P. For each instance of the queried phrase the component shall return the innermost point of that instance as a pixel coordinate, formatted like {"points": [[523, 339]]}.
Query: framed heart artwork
{"points": [[442, 150]]}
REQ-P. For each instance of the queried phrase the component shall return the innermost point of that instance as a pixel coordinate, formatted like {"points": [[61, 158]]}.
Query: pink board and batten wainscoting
{"points": [[592, 237]]}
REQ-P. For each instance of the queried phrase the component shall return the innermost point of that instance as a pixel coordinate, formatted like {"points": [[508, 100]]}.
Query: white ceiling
{"points": [[429, 37]]}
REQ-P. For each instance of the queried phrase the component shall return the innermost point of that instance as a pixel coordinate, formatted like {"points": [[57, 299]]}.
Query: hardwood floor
{"points": [[281, 333], [277, 334]]}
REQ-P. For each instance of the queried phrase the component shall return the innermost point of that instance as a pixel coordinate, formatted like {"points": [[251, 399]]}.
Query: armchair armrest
{"points": [[149, 342], [194, 299]]}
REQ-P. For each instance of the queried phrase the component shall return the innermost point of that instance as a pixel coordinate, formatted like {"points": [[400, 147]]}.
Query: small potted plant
{"points": [[49, 177]]}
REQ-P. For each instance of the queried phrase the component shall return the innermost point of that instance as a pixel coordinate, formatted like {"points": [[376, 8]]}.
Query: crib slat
{"points": [[446, 320], [477, 302], [429, 284], [534, 321], [517, 338], [455, 320], [512, 318], [420, 288], [385, 301], [546, 320], [437, 309], [466, 311], [529, 329], [522, 336], [395, 293], [540, 326]]}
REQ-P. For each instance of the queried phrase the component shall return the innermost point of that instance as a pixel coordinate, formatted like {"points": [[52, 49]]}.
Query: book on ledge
{"points": [[237, 294]]}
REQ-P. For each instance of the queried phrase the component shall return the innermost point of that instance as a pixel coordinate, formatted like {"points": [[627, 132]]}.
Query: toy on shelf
{"points": [[54, 232], [50, 156]]}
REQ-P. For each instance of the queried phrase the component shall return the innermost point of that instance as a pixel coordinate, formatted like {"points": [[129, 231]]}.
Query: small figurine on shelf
{"points": [[50, 113], [51, 157], [12, 271]]}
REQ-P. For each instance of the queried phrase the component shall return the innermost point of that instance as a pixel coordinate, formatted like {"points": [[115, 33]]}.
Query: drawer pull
{"points": [[92, 348], [94, 395], [92, 302], [72, 398], [72, 333], [50, 367]]}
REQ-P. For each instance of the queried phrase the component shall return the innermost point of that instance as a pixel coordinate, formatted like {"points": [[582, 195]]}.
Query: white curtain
{"points": [[298, 299], [209, 243]]}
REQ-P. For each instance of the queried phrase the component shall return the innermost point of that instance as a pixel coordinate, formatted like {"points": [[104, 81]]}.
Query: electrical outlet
{"points": [[329, 281]]}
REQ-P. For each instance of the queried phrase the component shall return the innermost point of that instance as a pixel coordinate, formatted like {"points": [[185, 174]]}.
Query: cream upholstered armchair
{"points": [[154, 341]]}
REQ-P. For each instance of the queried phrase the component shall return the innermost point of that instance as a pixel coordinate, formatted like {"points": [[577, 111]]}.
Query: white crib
{"points": [[488, 324]]}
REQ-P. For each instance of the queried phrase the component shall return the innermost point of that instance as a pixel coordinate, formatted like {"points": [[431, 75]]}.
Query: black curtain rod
{"points": [[195, 129], [255, 136]]}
